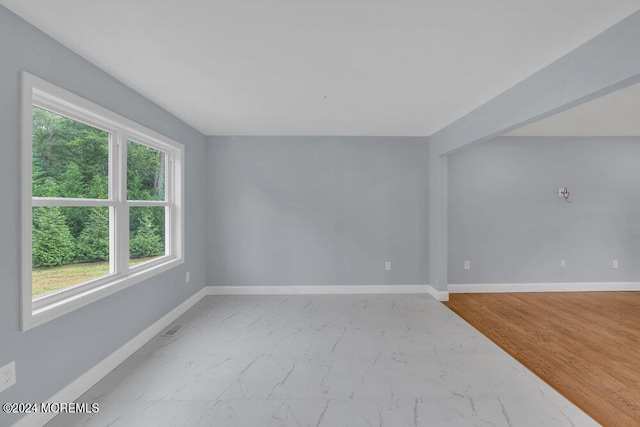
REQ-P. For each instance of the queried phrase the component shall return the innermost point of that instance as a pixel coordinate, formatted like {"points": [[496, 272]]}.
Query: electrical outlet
{"points": [[187, 277], [7, 375], [615, 263], [467, 265], [563, 263], [387, 265]]}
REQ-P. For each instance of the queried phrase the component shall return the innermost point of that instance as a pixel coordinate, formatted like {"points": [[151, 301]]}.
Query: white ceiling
{"points": [[615, 114], [332, 67]]}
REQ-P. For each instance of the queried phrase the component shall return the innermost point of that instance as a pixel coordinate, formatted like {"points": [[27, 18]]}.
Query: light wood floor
{"points": [[586, 345]]}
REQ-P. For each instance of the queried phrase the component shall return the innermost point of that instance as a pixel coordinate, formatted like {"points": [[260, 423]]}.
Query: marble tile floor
{"points": [[323, 360]]}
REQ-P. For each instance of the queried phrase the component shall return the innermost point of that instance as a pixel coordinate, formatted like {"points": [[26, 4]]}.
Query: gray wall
{"points": [[317, 210], [505, 215], [50, 356], [604, 64]]}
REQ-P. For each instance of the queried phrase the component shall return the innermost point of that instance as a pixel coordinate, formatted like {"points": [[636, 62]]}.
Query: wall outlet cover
{"points": [[7, 375]]}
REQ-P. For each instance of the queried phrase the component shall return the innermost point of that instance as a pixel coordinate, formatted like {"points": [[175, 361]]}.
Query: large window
{"points": [[102, 202]]}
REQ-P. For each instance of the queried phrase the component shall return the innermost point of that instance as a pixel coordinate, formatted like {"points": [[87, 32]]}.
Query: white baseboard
{"points": [[328, 290], [78, 387], [542, 287], [439, 295]]}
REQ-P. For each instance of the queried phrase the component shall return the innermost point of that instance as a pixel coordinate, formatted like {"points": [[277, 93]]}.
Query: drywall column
{"points": [[606, 63], [438, 243]]}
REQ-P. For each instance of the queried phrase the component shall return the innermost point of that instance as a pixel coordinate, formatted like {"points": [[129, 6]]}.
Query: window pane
{"points": [[69, 158], [70, 245], [145, 172], [146, 234]]}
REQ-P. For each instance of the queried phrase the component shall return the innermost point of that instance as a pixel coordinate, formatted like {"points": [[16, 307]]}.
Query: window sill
{"points": [[32, 318]]}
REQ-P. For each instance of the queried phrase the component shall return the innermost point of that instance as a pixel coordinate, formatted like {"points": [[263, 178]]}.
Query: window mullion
{"points": [[121, 214], [53, 201], [148, 203], [170, 215]]}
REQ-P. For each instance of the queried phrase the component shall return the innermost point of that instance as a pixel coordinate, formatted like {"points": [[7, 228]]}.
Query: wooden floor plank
{"points": [[584, 344]]}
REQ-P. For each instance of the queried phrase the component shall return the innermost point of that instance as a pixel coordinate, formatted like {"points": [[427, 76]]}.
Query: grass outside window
{"points": [[47, 280]]}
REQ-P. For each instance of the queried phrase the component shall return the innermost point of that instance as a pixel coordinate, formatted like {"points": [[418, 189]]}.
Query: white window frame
{"points": [[40, 93]]}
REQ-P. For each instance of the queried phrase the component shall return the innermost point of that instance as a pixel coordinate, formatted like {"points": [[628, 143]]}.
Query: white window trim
{"points": [[46, 95]]}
